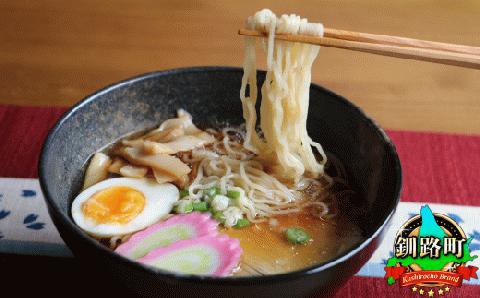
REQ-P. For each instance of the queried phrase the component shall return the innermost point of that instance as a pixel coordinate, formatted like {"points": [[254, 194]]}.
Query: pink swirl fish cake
{"points": [[176, 228], [208, 255]]}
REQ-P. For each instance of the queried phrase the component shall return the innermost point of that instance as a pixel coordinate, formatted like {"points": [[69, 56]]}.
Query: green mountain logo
{"points": [[430, 230]]}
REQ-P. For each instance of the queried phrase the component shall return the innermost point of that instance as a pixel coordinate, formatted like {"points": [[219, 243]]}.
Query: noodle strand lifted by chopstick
{"points": [[285, 99]]}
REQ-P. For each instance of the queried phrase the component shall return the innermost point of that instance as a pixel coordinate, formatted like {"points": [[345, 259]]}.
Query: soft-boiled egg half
{"points": [[119, 206]]}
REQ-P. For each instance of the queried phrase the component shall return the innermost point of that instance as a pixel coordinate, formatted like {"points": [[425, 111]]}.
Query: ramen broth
{"points": [[266, 251]]}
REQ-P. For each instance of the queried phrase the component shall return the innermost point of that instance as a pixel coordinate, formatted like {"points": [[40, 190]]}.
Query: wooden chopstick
{"points": [[400, 41], [392, 46]]}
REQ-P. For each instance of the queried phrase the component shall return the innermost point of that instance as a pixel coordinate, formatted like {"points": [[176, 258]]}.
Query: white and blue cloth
{"points": [[26, 228]]}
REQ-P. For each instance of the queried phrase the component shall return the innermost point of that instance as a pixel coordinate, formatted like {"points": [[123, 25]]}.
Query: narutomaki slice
{"points": [[217, 256], [176, 228]]}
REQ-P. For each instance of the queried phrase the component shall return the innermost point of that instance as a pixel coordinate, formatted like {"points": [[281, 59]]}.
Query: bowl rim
{"points": [[55, 211]]}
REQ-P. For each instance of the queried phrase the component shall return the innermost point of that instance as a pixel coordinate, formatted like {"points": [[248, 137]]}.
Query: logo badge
{"points": [[430, 255]]}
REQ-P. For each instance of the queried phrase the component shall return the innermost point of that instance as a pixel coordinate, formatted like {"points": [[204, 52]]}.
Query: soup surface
{"points": [[266, 250]]}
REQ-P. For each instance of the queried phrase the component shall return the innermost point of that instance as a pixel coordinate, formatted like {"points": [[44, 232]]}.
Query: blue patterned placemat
{"points": [[26, 228]]}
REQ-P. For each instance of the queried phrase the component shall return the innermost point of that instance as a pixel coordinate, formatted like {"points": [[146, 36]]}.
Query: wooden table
{"points": [[57, 52]]}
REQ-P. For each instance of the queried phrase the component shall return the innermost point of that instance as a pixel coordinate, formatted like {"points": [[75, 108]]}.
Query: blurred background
{"points": [[54, 53]]}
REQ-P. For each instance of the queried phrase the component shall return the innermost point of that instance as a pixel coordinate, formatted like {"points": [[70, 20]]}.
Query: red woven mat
{"points": [[438, 168]]}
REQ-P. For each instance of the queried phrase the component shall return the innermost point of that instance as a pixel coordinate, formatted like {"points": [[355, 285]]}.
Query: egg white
{"points": [[159, 200]]}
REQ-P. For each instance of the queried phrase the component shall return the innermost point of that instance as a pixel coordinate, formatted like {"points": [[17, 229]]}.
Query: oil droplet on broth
{"points": [[267, 251]]}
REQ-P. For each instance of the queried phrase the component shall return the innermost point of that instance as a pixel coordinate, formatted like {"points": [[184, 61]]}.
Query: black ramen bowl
{"points": [[211, 95]]}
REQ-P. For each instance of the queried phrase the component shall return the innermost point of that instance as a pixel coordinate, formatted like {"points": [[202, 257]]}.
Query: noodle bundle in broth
{"points": [[264, 189]]}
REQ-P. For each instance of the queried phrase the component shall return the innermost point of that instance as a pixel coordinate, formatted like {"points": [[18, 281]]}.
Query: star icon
{"points": [[447, 289], [440, 292], [421, 291], [430, 293], [414, 289]]}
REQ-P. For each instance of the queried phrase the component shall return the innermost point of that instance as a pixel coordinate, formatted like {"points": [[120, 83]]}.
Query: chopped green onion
{"points": [[242, 223], [218, 216], [233, 194], [297, 235], [200, 206], [184, 193], [184, 206], [210, 192], [220, 203]]}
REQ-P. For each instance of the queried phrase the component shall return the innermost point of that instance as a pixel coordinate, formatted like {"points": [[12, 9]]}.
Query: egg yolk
{"points": [[117, 204]]}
